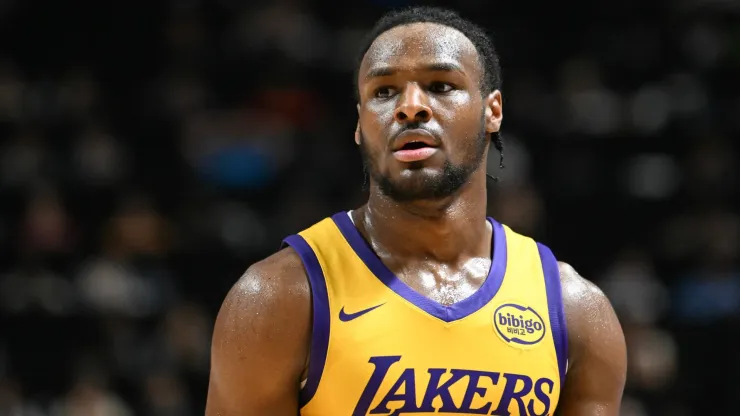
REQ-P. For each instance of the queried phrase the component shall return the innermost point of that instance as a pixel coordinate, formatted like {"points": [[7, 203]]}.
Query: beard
{"points": [[427, 186]]}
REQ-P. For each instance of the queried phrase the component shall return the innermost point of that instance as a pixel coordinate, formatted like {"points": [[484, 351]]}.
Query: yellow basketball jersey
{"points": [[380, 348]]}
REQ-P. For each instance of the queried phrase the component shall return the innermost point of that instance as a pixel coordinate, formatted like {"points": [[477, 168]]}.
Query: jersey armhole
{"points": [[320, 312], [555, 308]]}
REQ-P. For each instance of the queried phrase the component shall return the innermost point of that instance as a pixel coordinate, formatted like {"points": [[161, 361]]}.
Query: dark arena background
{"points": [[151, 151]]}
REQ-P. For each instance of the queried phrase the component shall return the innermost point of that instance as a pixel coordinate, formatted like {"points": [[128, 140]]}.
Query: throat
{"points": [[427, 240], [446, 286]]}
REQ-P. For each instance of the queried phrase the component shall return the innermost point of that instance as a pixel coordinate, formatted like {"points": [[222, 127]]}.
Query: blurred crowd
{"points": [[150, 153]]}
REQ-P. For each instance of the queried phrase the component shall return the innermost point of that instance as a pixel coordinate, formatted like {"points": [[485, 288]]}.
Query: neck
{"points": [[443, 230]]}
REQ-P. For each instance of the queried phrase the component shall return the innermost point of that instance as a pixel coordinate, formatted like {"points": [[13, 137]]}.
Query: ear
{"points": [[494, 112], [358, 136]]}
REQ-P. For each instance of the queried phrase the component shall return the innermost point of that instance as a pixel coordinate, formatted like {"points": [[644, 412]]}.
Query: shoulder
{"points": [[578, 291], [591, 321], [597, 353], [261, 339], [283, 269], [269, 304], [277, 284]]}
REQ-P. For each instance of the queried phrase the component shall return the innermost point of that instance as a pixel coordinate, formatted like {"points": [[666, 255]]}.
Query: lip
{"points": [[414, 136], [415, 155]]}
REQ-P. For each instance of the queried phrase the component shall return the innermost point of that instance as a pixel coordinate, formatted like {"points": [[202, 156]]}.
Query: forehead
{"points": [[419, 44]]}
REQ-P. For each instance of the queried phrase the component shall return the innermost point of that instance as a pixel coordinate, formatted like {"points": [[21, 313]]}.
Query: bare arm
{"points": [[597, 362], [260, 341]]}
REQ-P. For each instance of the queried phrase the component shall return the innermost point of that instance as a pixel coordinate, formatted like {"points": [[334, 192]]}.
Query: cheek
{"points": [[457, 109], [461, 101], [461, 124], [374, 124], [371, 137], [378, 114]]}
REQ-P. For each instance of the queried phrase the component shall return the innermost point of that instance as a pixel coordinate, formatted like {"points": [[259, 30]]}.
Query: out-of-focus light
{"points": [[651, 176]]}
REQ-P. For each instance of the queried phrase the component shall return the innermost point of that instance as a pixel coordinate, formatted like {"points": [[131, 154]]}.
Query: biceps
{"points": [[245, 390], [588, 409], [580, 402], [594, 386], [226, 401], [254, 370]]}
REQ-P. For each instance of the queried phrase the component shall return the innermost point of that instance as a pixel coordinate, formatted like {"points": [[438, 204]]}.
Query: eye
{"points": [[384, 92], [440, 87]]}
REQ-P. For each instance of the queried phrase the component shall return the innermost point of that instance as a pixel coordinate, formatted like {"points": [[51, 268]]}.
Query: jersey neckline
{"points": [[446, 313]]}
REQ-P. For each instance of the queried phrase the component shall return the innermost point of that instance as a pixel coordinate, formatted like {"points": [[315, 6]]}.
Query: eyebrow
{"points": [[433, 67]]}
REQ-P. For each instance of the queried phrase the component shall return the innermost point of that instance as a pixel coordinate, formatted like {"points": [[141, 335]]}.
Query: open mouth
{"points": [[414, 151], [414, 146]]}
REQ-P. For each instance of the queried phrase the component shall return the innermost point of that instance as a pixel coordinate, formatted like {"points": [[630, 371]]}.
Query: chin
{"points": [[417, 185], [419, 171], [426, 180]]}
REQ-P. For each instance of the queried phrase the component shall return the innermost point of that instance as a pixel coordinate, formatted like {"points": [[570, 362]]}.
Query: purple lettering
{"points": [[474, 389], [443, 391], [408, 397], [403, 392], [543, 397], [511, 393], [382, 365]]}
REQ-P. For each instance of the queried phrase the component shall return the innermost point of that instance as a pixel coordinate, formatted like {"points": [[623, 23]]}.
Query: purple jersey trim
{"points": [[555, 307], [450, 313], [321, 317]]}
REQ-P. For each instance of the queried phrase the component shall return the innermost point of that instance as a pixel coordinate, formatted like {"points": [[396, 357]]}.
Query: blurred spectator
{"points": [[129, 277], [13, 403], [98, 159], [710, 291], [165, 397], [636, 293], [25, 160], [89, 399]]}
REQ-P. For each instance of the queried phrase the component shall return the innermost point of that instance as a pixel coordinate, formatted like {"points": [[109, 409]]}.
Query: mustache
{"points": [[415, 126]]}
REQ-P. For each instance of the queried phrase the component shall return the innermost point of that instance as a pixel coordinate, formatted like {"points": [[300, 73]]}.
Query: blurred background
{"points": [[150, 152]]}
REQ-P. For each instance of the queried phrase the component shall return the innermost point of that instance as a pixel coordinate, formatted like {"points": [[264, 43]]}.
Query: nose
{"points": [[412, 106]]}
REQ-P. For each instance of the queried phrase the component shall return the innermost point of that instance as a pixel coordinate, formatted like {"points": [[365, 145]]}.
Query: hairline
{"points": [[482, 67]]}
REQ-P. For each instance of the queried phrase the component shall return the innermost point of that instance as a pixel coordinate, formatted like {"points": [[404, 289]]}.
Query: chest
{"points": [[444, 284], [398, 361], [424, 340]]}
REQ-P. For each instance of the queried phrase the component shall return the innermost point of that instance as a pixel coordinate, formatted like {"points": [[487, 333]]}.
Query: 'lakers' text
{"points": [[482, 392]]}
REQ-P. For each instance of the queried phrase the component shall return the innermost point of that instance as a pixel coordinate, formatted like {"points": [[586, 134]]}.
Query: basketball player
{"points": [[416, 303]]}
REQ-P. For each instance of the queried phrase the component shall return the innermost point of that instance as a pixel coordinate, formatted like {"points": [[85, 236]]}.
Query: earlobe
{"points": [[494, 112]]}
